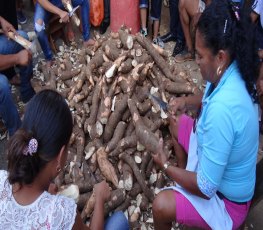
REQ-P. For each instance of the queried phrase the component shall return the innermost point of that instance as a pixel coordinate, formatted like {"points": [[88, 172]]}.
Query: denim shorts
{"points": [[156, 9], [144, 3]]}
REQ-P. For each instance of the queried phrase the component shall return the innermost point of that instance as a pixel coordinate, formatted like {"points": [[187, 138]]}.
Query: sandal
{"points": [[184, 56]]}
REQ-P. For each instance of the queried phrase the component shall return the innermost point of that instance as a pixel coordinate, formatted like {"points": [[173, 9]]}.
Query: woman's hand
{"points": [[177, 104], [64, 17], [7, 27], [102, 191], [160, 157]]}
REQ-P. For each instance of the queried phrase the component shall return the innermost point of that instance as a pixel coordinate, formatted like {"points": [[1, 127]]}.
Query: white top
{"points": [[48, 211], [258, 9]]}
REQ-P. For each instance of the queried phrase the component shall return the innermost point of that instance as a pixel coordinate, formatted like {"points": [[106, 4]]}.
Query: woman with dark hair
{"points": [[36, 154], [215, 189]]}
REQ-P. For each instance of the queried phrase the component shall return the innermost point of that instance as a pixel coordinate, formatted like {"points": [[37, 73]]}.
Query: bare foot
{"points": [[89, 42]]}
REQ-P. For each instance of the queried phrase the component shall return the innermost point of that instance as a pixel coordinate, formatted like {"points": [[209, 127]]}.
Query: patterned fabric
{"points": [[50, 212], [205, 186]]}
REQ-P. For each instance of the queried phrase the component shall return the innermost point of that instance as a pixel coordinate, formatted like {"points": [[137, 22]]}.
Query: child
{"points": [[36, 154], [156, 7]]}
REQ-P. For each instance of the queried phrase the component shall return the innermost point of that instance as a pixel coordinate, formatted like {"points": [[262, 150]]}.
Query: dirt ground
{"points": [[254, 220]]}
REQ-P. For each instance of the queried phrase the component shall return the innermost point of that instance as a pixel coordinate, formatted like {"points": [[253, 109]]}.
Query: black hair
{"points": [[47, 119], [226, 27]]}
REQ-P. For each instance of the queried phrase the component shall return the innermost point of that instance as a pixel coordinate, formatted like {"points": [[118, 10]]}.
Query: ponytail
{"points": [[22, 167], [45, 129]]}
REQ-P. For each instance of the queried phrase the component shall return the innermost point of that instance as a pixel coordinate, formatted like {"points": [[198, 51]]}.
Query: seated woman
{"points": [[216, 188], [36, 154], [42, 13]]}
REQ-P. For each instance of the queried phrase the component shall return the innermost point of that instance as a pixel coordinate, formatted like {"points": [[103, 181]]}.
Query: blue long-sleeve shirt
{"points": [[227, 137]]}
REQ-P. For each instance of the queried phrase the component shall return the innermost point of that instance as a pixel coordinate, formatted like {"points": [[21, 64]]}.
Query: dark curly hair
{"points": [[226, 27], [48, 120]]}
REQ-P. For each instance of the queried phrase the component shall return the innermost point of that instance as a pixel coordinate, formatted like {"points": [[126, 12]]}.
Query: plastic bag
{"points": [[96, 12]]}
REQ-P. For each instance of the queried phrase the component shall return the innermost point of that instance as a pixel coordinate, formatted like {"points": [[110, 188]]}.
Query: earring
{"points": [[58, 169], [218, 71]]}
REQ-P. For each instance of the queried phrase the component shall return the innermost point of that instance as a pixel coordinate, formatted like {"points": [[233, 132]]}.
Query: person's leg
{"points": [[106, 12], [169, 206], [187, 9], [40, 20], [143, 13], [106, 20], [85, 21], [174, 16], [117, 221], [155, 16], [164, 210], [8, 110]]}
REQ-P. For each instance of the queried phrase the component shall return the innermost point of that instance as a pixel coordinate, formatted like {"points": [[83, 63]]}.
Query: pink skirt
{"points": [[185, 212]]}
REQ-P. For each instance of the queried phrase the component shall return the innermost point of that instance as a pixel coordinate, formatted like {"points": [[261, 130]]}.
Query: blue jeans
{"points": [[8, 46], [44, 15], [8, 110], [175, 23], [117, 221], [144, 3]]}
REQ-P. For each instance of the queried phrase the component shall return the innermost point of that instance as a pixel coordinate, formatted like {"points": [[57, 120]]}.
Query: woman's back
{"points": [[46, 212]]}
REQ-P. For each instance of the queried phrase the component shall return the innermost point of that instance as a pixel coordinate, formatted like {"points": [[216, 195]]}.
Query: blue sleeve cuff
{"points": [[205, 186]]}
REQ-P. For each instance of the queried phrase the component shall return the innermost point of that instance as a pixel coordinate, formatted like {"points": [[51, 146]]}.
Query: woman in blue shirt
{"points": [[215, 189]]}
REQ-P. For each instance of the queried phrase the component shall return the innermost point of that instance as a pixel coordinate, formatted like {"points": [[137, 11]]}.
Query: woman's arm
{"points": [[184, 178], [182, 104], [102, 194]]}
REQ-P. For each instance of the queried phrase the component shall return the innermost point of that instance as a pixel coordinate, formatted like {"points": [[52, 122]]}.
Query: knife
{"points": [[70, 13], [163, 105]]}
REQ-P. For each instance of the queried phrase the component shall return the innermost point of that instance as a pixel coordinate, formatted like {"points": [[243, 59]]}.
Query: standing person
{"points": [[216, 188], [36, 154], [43, 9], [13, 54], [156, 9], [176, 32], [190, 11], [106, 20]]}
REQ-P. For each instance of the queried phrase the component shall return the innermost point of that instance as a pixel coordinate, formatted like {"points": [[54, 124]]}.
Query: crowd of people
{"points": [[216, 151]]}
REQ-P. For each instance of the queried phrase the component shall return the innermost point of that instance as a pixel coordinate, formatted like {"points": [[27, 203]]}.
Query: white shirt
{"points": [[257, 7], [49, 212]]}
